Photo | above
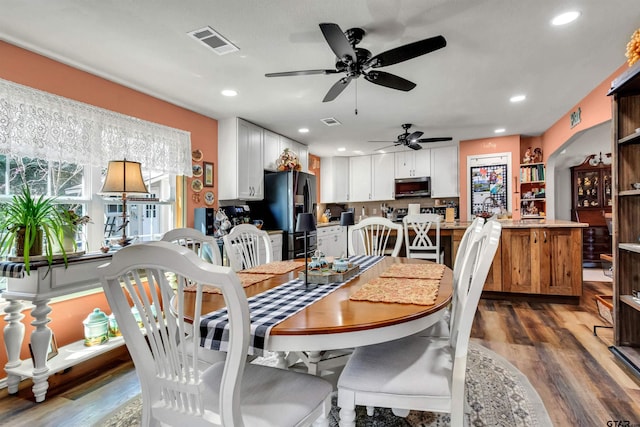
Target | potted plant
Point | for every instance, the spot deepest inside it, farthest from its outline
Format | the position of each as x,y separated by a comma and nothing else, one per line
32,226
72,224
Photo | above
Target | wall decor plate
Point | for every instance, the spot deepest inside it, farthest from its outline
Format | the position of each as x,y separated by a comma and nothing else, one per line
197,170
209,198
196,155
196,185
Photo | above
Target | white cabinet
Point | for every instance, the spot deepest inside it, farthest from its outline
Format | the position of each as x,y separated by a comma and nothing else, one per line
276,247
444,172
410,163
360,179
300,150
334,179
382,176
330,241
271,144
240,160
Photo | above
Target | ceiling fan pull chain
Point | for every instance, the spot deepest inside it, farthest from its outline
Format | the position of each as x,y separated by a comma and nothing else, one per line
356,97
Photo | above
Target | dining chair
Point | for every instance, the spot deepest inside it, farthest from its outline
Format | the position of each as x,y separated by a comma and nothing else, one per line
417,372
243,244
206,247
420,244
373,236
442,327
174,390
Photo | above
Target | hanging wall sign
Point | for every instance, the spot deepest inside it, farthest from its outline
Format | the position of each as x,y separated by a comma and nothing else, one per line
575,117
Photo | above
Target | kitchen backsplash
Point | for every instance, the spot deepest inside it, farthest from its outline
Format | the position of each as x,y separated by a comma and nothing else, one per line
374,208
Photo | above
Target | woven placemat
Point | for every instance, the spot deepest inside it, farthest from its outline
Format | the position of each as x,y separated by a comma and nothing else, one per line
415,271
245,279
276,267
401,291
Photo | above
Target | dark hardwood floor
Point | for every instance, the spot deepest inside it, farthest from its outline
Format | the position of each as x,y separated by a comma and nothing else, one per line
577,377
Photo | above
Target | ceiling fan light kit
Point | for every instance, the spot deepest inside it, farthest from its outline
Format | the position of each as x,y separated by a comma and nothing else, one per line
355,61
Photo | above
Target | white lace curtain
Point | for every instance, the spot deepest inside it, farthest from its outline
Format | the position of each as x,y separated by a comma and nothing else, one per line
41,125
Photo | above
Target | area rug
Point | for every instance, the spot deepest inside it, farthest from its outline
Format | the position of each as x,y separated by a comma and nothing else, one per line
498,395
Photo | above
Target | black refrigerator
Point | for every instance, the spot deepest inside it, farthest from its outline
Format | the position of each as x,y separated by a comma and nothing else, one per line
286,194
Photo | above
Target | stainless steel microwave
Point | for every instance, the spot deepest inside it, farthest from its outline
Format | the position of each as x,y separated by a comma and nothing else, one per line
413,187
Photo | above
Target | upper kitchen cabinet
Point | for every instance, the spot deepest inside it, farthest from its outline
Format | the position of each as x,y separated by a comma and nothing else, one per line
360,184
271,143
299,149
240,160
444,172
382,176
334,176
411,163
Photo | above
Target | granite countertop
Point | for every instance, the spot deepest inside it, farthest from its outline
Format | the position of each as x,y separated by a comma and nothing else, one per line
524,223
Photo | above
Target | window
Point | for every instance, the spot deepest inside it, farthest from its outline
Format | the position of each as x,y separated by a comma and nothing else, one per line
75,188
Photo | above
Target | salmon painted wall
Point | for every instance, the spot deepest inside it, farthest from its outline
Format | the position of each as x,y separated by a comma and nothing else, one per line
595,109
30,69
474,147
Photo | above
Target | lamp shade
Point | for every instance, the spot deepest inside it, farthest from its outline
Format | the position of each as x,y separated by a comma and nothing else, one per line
346,218
124,176
305,222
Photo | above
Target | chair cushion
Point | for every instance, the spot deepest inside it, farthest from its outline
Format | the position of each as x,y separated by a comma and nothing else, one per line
415,366
440,328
270,396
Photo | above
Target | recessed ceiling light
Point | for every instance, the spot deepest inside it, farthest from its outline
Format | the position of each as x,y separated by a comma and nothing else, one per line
499,130
357,151
303,130
342,149
518,98
382,152
229,92
565,18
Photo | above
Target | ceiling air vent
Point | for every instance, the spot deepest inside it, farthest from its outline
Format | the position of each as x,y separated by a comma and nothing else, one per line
210,38
330,121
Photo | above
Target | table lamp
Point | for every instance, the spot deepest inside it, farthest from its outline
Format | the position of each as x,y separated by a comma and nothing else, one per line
305,223
346,219
124,177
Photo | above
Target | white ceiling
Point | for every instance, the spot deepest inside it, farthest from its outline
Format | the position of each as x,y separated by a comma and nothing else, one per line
495,49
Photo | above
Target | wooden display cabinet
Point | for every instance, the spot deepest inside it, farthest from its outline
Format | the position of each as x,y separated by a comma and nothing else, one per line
626,216
591,199
532,190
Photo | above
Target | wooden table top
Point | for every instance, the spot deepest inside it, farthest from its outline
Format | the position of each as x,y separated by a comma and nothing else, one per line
335,313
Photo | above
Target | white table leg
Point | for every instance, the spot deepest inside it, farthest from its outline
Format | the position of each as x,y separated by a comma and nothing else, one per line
40,342
314,359
281,360
13,337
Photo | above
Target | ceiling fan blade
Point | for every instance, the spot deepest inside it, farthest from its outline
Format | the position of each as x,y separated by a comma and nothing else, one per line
382,141
338,42
389,80
406,52
444,138
414,146
337,89
414,136
388,146
301,73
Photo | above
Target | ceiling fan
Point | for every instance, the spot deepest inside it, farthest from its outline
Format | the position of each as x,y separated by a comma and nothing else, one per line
413,140
355,61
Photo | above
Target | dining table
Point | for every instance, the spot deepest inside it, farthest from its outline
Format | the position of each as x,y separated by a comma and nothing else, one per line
335,321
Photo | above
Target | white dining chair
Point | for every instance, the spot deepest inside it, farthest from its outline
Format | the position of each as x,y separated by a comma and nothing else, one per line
417,372
174,390
418,243
206,247
372,236
442,327
243,246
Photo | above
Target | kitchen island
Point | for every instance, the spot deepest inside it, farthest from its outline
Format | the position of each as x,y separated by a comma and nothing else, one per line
535,256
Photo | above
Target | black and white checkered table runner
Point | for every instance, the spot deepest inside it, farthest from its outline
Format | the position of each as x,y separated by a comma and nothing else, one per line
12,269
269,308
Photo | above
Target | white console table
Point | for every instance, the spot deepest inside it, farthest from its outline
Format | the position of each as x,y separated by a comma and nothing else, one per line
43,284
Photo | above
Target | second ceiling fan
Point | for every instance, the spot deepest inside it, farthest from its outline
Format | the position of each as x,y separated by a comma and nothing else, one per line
355,61
413,140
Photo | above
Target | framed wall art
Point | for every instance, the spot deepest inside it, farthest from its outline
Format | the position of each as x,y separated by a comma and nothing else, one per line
208,174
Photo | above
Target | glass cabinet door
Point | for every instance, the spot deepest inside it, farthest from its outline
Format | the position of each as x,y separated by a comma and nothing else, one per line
589,189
